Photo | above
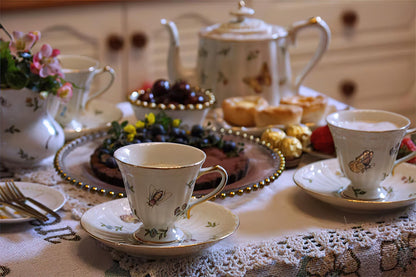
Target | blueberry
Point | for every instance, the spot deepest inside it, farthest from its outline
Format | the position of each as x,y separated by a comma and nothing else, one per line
229,146
157,129
197,131
214,138
111,162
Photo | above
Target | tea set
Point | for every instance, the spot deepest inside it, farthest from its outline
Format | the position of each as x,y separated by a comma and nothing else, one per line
244,56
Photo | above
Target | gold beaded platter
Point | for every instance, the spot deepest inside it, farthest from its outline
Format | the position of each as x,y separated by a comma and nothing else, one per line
72,162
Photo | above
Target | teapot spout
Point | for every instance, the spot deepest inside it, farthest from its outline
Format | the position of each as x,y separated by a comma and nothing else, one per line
176,70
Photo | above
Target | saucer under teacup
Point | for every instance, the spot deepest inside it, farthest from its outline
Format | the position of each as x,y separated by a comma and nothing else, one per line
112,224
324,180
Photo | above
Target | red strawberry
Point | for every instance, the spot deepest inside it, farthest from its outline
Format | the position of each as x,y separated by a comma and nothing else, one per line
406,147
321,140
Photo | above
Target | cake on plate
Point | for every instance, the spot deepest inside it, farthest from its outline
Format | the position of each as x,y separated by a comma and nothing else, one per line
161,128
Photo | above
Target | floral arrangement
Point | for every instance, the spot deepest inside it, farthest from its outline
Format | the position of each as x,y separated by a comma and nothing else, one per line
40,72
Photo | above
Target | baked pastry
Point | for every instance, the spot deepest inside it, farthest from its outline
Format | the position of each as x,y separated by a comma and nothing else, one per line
240,111
278,115
314,107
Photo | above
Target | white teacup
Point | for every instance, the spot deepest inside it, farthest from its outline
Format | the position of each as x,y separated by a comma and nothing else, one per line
159,178
367,143
80,71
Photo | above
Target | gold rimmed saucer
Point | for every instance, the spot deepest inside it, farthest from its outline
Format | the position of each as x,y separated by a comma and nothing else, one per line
112,224
323,180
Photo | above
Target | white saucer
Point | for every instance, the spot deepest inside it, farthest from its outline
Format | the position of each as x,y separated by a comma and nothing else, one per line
48,196
324,181
112,224
98,115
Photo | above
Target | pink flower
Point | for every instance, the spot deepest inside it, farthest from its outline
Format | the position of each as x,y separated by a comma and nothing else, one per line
65,92
23,42
45,62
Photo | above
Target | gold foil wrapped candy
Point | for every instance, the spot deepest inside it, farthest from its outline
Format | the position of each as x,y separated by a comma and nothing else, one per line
301,132
273,136
291,147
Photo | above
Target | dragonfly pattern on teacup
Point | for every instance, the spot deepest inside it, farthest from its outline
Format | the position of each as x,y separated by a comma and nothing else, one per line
362,162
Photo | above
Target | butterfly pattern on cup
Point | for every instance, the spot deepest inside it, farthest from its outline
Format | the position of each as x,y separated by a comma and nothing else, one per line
362,162
259,81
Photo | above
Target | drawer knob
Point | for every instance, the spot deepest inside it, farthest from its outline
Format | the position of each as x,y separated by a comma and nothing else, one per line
115,42
348,88
139,40
349,19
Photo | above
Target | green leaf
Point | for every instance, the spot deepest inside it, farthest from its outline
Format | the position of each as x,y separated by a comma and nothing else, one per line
16,79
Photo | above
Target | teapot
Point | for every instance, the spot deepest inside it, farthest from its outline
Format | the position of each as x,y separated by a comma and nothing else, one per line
245,56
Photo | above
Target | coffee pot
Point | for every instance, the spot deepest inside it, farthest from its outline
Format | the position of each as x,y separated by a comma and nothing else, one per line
245,56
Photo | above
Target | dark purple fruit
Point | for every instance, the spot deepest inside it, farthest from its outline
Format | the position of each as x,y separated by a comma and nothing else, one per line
180,91
147,96
161,88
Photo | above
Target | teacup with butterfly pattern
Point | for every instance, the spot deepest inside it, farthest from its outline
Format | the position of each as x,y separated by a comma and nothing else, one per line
159,178
367,143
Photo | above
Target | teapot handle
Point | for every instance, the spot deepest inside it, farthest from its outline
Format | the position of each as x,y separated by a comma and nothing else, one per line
325,37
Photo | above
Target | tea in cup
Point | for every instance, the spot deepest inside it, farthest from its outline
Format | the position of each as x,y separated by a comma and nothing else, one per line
367,143
80,71
159,178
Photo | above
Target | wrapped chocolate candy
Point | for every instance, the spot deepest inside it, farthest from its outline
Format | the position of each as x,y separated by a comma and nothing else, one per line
273,136
291,147
301,132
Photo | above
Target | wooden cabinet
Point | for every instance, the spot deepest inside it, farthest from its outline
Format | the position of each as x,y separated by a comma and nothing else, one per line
371,61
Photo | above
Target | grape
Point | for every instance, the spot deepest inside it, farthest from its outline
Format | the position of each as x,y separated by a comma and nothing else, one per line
147,96
180,90
161,88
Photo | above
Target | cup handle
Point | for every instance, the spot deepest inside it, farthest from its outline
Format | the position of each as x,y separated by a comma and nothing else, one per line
315,22
106,69
218,189
408,156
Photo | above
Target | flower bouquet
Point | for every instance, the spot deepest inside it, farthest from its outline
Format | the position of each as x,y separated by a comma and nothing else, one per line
30,87
40,72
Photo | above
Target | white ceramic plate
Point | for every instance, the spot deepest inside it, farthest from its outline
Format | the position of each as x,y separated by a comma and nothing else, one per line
48,196
98,116
324,181
112,224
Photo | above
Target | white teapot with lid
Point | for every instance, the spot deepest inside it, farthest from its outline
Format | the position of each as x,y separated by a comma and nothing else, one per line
245,56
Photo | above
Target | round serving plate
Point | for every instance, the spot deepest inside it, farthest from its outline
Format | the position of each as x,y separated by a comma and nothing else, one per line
72,162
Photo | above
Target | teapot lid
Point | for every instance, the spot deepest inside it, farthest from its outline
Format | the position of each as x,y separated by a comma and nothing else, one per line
242,27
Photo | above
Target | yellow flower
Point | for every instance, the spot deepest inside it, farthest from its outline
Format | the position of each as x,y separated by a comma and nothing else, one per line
150,118
130,129
176,122
140,124
130,137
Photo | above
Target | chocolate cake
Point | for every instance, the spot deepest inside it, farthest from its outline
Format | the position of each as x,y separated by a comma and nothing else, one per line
161,128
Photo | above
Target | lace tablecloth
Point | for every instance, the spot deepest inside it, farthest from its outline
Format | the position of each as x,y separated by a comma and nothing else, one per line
283,232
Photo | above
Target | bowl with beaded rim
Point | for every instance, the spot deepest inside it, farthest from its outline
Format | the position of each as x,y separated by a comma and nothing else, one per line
178,100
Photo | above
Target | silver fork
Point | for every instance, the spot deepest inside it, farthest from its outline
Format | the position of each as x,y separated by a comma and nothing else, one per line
21,198
7,199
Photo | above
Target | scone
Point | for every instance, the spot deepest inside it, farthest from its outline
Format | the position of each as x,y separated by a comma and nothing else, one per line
314,107
278,115
240,111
